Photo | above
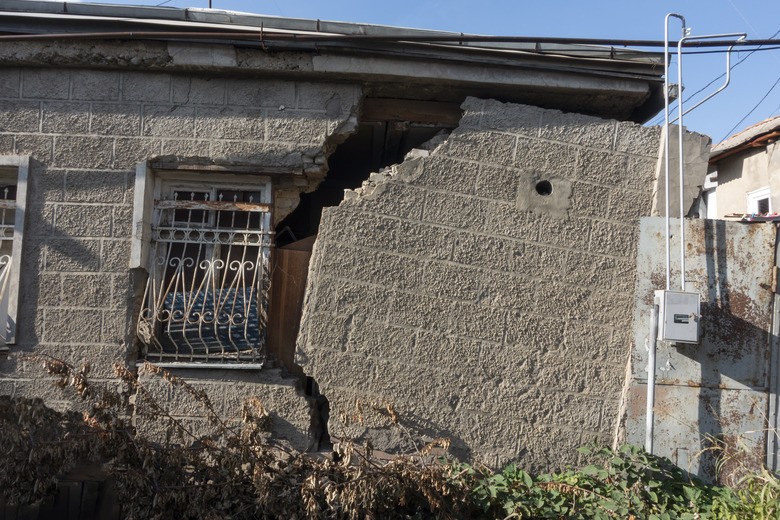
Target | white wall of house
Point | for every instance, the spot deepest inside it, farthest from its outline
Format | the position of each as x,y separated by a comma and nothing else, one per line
744,178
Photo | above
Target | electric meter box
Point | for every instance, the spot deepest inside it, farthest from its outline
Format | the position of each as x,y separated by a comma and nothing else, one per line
678,316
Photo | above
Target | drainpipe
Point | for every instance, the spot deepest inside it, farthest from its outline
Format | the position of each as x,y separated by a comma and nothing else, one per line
650,415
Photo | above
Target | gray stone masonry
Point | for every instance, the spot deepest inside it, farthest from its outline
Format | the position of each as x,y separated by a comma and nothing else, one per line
85,131
484,290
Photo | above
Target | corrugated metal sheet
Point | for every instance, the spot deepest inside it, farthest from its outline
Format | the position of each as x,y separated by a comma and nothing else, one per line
719,388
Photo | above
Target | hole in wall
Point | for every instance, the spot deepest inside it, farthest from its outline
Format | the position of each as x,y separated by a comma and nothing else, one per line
544,188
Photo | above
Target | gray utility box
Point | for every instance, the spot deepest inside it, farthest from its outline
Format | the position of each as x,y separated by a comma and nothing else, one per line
678,316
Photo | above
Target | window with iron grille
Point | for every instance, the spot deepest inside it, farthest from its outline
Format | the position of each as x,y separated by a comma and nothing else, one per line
206,296
13,194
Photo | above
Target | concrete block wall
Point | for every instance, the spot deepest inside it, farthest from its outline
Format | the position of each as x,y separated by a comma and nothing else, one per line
85,131
480,309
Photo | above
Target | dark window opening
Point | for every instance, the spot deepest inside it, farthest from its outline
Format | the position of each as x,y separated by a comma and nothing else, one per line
763,206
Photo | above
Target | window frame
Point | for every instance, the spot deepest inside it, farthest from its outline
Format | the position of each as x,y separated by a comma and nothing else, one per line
755,196
150,186
21,163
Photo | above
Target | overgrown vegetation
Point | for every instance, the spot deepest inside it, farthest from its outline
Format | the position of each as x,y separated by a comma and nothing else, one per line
236,473
628,483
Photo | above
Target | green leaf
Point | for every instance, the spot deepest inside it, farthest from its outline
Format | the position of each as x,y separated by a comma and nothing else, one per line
591,470
609,506
584,450
691,493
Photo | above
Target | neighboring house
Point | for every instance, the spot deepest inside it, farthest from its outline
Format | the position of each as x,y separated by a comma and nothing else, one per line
744,173
161,166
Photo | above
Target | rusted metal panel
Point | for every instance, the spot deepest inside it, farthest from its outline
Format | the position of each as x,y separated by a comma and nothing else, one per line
718,388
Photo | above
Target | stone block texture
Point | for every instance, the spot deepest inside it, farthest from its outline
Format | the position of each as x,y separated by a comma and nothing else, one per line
85,131
482,291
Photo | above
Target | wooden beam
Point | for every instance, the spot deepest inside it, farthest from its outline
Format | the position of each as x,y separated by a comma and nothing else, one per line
431,112
215,168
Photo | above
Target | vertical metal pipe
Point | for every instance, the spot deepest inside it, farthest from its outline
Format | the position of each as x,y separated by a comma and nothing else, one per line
666,150
773,431
650,416
681,160
667,143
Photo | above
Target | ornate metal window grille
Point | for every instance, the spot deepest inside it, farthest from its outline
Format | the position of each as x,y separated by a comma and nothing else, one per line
7,212
207,294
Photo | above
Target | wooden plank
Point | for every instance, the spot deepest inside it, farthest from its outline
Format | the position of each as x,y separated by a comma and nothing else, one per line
89,499
73,490
10,512
30,512
108,506
288,286
47,508
260,170
218,205
385,109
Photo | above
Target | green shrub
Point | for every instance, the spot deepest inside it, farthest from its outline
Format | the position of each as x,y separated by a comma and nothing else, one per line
626,484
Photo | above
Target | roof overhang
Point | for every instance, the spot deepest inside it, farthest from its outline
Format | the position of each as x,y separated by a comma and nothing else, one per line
756,136
605,81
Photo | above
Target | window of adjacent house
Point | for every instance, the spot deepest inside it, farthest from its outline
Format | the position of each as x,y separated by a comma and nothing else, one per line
208,264
759,202
13,195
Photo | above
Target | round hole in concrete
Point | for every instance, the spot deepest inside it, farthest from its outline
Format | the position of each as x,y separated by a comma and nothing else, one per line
544,188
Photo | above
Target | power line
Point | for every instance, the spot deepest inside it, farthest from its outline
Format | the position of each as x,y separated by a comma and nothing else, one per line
742,16
721,51
728,134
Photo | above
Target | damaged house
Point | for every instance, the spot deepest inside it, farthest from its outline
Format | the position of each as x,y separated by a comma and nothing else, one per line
325,214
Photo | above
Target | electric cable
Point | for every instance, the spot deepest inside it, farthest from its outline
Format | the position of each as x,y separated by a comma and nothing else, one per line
757,49
729,133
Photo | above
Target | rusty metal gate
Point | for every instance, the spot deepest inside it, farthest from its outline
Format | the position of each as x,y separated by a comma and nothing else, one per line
722,391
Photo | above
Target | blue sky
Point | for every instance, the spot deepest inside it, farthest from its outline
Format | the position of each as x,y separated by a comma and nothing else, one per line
615,19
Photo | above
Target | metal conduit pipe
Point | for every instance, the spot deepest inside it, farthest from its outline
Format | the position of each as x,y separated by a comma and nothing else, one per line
667,143
650,415
323,37
681,161
742,36
680,158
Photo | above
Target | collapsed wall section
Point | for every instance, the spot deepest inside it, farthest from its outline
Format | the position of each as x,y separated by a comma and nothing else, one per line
483,290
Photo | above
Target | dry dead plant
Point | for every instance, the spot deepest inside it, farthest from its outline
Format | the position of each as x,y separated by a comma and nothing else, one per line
232,472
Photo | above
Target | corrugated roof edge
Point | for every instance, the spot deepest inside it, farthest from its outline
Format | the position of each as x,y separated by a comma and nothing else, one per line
745,136
223,17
